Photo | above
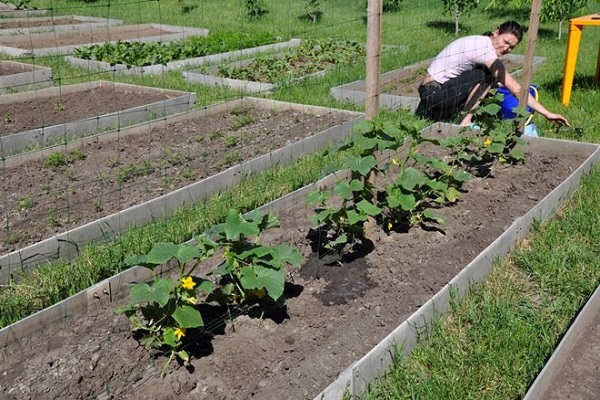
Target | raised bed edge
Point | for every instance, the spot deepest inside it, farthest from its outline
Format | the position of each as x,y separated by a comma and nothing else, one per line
87,22
357,377
107,288
66,245
159,68
582,322
38,77
175,33
14,143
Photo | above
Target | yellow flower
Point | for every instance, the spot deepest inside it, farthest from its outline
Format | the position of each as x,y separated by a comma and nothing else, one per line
390,225
487,142
179,332
192,300
187,283
395,161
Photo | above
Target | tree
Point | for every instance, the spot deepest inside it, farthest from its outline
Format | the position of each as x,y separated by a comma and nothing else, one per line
552,10
560,10
313,10
456,8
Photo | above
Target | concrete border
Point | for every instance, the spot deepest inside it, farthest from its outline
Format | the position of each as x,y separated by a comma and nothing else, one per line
583,322
30,77
43,137
355,379
68,244
355,92
173,32
174,65
86,23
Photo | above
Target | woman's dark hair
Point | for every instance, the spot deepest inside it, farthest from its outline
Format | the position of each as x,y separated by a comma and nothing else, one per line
509,27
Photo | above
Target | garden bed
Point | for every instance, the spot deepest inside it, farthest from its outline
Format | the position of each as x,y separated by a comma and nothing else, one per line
143,167
399,87
572,371
16,76
9,10
266,73
65,41
51,116
27,26
336,312
173,65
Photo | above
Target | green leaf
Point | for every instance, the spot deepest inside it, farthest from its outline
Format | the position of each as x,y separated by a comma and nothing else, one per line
363,127
288,254
159,292
184,356
412,178
354,217
492,109
123,309
407,201
430,215
362,165
205,286
236,226
169,337
321,216
346,189
368,208
258,277
187,317
452,194
461,176
518,155
317,197
495,148
161,253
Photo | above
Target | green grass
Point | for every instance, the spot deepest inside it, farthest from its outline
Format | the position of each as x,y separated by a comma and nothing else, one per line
494,344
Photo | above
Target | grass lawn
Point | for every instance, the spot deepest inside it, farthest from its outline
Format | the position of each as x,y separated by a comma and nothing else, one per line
494,344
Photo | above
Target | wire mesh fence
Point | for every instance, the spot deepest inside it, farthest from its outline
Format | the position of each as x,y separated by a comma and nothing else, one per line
156,109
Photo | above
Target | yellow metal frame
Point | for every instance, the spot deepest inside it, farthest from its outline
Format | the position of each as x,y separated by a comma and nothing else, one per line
575,29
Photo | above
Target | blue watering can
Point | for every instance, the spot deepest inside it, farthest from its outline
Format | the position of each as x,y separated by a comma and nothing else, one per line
510,102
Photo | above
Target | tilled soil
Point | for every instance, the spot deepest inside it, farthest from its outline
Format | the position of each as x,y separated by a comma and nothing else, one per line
42,199
336,312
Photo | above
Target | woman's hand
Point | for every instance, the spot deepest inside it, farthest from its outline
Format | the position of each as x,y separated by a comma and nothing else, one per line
559,119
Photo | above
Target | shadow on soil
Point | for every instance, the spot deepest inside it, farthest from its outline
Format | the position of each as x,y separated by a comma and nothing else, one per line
345,273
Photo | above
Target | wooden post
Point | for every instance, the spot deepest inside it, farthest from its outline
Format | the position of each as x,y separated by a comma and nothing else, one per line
532,34
374,11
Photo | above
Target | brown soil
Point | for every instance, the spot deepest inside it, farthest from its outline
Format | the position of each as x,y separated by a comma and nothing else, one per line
336,312
29,23
20,116
83,37
106,177
7,68
579,370
407,82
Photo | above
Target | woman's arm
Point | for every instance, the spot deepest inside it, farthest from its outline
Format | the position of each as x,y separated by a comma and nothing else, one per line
501,74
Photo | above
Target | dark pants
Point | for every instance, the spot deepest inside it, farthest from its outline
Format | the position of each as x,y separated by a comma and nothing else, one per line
443,102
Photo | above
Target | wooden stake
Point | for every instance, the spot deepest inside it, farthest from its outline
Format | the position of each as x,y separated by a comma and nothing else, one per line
532,34
374,11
